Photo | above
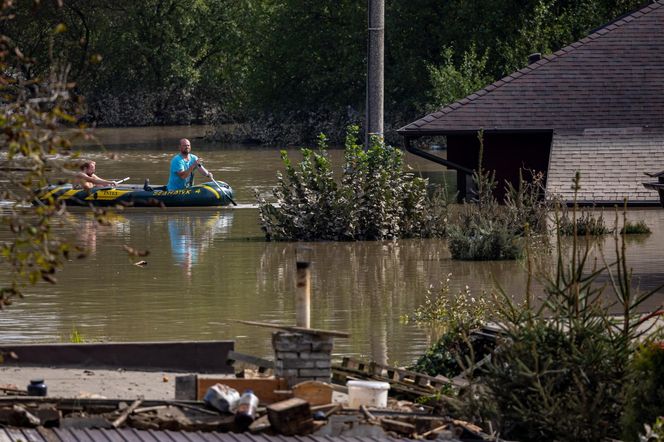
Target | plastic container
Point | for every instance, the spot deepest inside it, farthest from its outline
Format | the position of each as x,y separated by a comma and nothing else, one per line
245,412
222,397
369,393
37,387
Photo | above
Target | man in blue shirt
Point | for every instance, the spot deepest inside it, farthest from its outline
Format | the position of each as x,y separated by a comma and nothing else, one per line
183,166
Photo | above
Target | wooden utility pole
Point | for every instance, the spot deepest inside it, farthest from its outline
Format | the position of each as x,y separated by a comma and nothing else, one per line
303,294
375,68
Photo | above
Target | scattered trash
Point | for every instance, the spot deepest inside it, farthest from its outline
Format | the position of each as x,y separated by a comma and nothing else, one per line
370,393
222,397
37,387
245,412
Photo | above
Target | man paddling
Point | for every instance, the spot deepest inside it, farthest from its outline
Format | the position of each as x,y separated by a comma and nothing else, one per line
86,178
183,166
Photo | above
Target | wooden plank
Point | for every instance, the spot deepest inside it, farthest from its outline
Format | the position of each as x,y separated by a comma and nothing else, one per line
409,390
264,388
403,374
314,392
293,328
125,414
403,428
291,417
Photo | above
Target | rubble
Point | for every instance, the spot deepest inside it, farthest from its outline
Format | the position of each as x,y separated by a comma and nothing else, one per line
294,396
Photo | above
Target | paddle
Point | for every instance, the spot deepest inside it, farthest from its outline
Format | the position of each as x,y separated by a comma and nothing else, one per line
223,190
120,182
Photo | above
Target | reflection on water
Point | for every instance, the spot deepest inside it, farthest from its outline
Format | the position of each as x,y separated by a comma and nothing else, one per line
191,236
207,268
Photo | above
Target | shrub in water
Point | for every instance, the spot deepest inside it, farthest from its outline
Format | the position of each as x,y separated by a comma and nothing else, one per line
483,230
637,228
587,224
525,205
374,199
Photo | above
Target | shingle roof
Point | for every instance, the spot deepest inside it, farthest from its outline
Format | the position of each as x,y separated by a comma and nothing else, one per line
611,162
132,435
613,77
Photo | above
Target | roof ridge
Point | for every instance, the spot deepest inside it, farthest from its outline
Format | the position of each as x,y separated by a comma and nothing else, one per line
546,59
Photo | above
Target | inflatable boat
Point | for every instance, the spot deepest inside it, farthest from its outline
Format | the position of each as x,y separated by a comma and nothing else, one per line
201,195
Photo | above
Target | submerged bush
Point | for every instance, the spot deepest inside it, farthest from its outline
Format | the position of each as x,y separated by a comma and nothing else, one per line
483,241
483,230
586,224
525,204
637,228
374,199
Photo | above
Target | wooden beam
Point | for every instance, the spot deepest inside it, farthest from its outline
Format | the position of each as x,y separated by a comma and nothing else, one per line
292,328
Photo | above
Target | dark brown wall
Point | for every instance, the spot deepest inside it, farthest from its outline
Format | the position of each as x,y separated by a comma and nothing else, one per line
506,153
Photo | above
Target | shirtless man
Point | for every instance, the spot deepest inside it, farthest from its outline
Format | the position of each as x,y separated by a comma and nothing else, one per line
86,178
183,166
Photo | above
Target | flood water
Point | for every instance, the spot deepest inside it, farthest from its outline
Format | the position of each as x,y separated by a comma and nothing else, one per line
208,268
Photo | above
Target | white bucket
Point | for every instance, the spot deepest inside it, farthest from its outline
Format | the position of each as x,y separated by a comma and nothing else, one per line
369,393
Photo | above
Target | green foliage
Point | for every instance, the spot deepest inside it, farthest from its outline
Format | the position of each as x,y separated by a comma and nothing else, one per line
38,111
449,318
645,392
483,241
637,228
309,55
483,230
654,433
553,384
32,113
443,312
525,205
442,358
450,83
587,224
506,31
374,199
161,61
149,62
75,337
562,367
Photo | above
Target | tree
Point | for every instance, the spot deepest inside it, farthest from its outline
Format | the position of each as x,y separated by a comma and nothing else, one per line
36,105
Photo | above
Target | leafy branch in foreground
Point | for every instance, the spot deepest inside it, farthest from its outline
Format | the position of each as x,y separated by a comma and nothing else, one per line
374,199
34,113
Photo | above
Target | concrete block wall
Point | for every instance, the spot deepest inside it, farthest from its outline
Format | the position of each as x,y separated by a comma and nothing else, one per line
302,357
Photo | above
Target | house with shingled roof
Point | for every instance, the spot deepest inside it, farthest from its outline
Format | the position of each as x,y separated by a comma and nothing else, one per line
595,106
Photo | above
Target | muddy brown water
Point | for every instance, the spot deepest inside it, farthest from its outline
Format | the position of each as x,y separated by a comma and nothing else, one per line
207,268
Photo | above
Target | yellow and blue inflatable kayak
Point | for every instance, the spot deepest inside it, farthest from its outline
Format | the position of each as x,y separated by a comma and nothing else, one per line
201,195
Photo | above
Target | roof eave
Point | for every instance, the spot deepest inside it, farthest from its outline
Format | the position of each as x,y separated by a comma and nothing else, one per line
422,132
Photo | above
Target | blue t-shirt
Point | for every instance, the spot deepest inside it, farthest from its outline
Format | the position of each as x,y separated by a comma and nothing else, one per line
178,164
